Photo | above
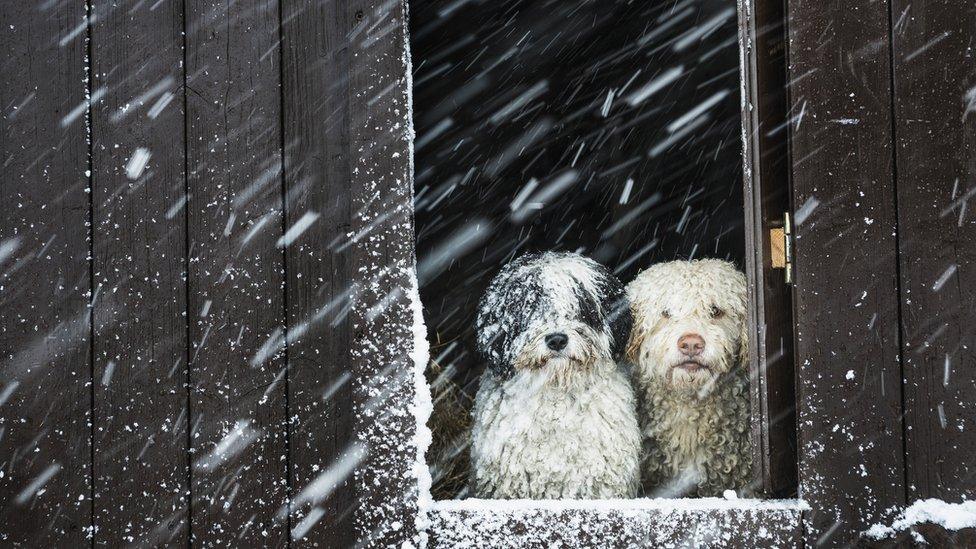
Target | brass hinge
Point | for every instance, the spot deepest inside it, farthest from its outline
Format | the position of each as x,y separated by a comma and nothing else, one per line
781,248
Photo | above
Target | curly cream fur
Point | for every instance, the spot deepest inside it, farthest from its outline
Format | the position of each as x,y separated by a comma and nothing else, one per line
695,423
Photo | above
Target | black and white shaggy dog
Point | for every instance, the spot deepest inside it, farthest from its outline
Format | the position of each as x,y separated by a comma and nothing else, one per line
554,417
689,349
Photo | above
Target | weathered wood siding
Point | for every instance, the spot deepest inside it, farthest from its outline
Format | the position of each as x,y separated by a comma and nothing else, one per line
849,392
184,260
882,155
139,263
45,396
935,153
235,302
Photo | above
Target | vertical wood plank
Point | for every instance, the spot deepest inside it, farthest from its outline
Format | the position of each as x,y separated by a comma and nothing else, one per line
318,154
766,154
384,265
45,369
850,431
936,164
235,303
140,346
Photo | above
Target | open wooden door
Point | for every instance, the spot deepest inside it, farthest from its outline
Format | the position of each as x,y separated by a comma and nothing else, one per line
762,33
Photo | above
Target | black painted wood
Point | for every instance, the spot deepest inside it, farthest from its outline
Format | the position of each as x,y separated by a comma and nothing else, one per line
383,262
849,395
318,153
935,141
45,456
140,347
766,154
236,287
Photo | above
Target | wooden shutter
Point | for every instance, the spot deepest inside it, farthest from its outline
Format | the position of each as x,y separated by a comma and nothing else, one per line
767,198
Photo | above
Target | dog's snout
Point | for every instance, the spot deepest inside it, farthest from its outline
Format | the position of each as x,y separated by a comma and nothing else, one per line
691,344
557,342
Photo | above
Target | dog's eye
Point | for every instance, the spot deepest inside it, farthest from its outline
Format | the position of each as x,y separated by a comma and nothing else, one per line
666,313
715,312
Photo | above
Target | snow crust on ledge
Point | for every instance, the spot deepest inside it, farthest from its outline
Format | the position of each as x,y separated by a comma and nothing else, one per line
951,516
656,504
665,523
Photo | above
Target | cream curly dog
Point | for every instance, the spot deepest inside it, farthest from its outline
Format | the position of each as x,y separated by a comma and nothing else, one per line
689,350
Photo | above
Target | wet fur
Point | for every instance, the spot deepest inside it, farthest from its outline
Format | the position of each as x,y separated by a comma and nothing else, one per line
548,427
696,439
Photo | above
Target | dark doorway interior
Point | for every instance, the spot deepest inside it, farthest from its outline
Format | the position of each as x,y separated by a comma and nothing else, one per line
608,128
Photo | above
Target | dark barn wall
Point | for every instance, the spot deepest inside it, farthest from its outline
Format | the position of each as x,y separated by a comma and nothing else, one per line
511,93
935,154
882,171
45,344
178,271
850,431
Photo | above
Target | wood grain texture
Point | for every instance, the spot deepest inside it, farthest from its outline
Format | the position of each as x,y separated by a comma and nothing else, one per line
935,140
45,461
140,346
236,288
655,527
850,431
765,154
318,156
383,315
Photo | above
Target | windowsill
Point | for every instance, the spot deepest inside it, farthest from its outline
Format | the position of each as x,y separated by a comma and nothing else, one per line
704,522
656,504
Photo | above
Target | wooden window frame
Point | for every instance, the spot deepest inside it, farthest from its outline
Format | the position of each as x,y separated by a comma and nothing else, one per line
391,352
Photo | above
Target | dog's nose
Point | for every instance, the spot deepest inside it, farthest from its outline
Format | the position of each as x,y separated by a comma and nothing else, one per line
691,344
557,342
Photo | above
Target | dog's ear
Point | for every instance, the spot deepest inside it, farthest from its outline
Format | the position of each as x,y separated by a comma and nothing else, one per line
493,324
490,338
636,339
743,354
616,310
742,303
502,311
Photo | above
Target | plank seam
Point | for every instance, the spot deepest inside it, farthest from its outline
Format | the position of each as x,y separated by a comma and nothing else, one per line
89,130
898,273
186,290
284,268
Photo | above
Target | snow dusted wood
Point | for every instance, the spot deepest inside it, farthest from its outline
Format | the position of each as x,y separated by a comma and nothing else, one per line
45,491
926,523
235,303
318,153
766,172
850,432
923,535
936,164
388,348
140,441
635,523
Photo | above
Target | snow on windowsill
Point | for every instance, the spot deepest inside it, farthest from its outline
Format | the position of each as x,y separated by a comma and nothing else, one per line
951,516
640,504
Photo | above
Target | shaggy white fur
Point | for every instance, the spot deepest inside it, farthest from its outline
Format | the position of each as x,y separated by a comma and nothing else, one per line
554,420
533,440
689,347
